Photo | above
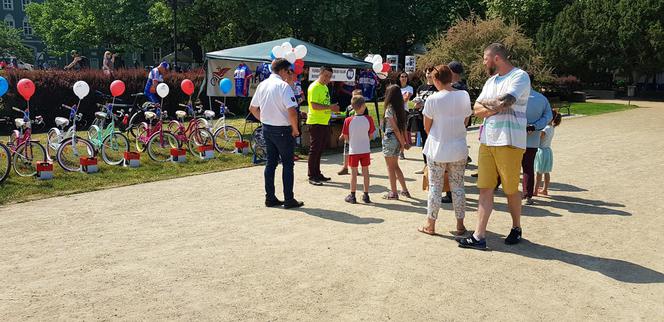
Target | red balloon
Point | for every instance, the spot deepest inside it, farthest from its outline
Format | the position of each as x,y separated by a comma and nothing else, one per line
386,68
26,88
117,88
299,66
187,86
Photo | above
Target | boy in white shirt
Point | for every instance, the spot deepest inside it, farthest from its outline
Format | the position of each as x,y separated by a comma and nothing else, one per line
357,131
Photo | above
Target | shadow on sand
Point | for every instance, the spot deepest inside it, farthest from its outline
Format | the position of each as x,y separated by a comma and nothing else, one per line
339,216
616,269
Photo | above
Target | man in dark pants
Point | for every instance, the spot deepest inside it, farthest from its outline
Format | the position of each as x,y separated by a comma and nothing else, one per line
275,105
538,113
318,119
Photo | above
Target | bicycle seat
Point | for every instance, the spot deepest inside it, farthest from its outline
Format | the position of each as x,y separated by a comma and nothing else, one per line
101,115
148,105
209,114
19,122
180,114
61,121
150,115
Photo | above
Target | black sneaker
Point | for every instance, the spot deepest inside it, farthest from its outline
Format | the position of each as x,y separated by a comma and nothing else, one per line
273,203
447,198
471,242
324,178
288,204
365,198
514,237
351,199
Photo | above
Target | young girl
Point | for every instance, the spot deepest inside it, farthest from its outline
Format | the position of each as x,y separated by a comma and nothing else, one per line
544,157
394,140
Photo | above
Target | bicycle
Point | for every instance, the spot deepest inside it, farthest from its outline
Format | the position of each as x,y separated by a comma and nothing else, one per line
153,138
195,134
5,162
68,147
105,138
224,135
256,140
25,151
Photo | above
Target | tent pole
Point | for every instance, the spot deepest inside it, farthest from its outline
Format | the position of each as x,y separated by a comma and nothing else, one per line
375,99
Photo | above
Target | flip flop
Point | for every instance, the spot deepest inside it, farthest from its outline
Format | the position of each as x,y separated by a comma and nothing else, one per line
426,231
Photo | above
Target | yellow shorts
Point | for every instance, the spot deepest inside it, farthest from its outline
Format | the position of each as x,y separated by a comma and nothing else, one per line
503,161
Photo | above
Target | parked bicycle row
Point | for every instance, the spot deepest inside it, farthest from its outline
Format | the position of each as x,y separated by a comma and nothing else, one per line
115,132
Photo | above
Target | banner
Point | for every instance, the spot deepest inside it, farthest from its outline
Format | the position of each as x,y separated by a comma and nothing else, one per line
220,69
338,74
410,64
393,60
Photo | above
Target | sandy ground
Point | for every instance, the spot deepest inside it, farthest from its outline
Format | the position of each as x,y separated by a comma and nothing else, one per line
204,248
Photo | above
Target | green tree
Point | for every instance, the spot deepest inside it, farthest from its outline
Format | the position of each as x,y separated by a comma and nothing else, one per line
119,24
466,40
11,45
530,14
596,39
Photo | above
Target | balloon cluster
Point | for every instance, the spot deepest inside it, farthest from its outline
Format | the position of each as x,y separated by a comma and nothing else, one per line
379,67
295,56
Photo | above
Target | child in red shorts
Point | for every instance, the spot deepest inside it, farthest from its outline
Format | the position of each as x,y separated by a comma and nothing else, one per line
357,131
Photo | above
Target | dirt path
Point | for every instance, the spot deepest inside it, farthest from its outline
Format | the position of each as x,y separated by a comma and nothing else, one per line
203,247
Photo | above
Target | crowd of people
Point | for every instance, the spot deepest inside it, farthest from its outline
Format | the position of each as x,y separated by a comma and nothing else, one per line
515,137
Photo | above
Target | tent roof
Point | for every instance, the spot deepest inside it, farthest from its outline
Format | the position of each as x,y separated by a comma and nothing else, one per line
316,56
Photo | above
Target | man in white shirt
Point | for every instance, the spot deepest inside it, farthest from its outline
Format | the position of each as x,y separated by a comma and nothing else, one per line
275,105
502,104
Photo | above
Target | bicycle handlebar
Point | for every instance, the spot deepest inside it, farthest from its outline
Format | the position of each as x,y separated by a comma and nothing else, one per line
137,95
183,105
17,110
67,107
218,101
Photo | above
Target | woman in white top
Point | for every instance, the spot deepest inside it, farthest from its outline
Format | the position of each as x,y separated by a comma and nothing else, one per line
445,114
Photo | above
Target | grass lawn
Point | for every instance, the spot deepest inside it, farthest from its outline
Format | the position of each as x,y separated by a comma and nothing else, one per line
597,108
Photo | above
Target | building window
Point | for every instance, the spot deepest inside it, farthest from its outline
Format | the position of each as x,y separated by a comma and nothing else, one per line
9,20
27,30
8,4
156,55
24,3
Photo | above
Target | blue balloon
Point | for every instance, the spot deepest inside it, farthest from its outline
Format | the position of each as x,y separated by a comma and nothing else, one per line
272,56
4,86
225,85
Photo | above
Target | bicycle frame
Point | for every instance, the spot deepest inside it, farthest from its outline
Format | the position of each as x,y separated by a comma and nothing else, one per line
104,129
71,131
153,129
22,135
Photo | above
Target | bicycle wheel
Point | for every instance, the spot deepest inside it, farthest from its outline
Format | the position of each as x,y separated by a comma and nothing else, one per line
199,137
70,153
5,162
52,143
160,149
114,147
225,138
257,144
141,136
26,157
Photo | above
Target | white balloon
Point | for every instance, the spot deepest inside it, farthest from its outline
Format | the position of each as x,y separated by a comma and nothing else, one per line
81,89
378,67
369,58
162,90
290,57
382,75
300,51
377,59
287,48
277,52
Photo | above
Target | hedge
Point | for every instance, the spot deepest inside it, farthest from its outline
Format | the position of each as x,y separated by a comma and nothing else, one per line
54,87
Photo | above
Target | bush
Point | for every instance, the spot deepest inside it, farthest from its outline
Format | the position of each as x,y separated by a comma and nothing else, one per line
466,40
54,87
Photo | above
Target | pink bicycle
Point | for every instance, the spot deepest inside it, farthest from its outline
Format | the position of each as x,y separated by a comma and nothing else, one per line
26,152
194,135
153,138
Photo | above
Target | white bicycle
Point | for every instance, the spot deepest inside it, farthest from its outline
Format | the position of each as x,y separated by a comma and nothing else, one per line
224,135
66,146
